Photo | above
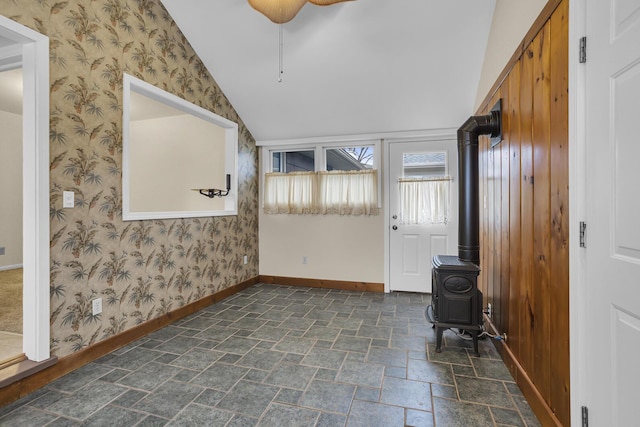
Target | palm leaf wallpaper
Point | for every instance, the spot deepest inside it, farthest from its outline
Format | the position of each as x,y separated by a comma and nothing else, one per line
141,269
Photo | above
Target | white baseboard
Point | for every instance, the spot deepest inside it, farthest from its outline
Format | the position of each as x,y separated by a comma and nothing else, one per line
10,267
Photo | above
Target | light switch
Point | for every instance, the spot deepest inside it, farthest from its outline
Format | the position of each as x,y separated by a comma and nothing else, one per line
68,199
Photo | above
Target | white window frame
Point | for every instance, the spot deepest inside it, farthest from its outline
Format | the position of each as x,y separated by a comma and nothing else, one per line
320,156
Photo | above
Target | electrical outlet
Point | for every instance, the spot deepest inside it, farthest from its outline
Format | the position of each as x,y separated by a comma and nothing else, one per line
489,311
304,259
68,199
2,250
245,260
97,306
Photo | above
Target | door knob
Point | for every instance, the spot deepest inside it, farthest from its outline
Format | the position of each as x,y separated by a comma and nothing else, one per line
395,217
395,227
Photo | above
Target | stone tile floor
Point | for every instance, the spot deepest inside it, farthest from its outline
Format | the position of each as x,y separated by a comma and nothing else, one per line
287,356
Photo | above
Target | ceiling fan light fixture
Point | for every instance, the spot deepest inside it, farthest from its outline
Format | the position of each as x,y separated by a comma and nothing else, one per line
281,11
326,2
278,11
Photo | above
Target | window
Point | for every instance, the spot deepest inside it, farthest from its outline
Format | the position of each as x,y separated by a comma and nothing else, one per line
293,161
323,179
424,189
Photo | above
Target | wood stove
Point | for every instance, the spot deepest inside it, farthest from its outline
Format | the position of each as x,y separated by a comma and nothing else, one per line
456,299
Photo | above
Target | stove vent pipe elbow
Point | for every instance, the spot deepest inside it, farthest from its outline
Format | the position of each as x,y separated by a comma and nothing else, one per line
469,207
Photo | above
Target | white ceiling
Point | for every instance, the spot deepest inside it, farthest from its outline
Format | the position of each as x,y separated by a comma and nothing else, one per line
366,66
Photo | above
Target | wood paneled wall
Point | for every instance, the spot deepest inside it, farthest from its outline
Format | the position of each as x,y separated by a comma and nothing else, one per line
524,199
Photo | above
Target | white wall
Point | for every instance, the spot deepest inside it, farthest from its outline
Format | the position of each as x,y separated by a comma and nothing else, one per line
337,247
349,248
161,147
511,21
11,188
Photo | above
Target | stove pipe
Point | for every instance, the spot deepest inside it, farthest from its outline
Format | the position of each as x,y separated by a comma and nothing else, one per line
468,225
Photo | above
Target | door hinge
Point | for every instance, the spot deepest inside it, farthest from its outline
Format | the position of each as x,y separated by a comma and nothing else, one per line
585,416
583,50
583,230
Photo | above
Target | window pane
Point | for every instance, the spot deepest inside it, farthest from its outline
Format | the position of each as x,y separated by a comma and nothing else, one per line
350,158
293,161
424,165
275,162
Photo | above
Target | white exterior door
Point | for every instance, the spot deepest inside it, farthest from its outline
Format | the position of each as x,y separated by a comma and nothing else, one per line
612,294
414,240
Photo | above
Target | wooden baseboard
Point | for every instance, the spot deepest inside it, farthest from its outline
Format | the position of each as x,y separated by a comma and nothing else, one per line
20,387
322,283
537,403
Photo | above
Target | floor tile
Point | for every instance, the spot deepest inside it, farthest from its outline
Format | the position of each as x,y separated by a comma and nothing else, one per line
248,398
415,418
220,376
280,415
420,370
406,393
260,359
288,396
408,343
487,392
324,358
374,332
133,359
87,400
450,413
365,374
26,416
113,415
197,415
281,355
507,417
149,376
236,345
291,376
491,368
197,359
217,333
294,345
331,420
268,333
239,420
458,356
129,398
368,414
322,333
348,343
169,399
328,396
387,356
368,394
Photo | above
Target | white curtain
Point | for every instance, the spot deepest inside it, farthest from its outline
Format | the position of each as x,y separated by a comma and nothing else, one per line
293,192
334,192
348,192
424,201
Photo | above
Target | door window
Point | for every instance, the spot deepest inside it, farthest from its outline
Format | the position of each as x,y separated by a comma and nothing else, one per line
424,188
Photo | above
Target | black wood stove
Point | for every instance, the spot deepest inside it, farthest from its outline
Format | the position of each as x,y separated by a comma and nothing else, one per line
456,300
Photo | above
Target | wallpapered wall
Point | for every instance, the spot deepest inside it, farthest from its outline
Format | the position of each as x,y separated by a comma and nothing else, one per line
141,269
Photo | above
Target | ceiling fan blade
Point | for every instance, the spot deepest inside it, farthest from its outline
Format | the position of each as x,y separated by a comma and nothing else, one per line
326,2
278,11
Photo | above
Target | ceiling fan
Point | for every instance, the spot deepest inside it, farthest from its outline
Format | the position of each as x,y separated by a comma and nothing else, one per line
281,11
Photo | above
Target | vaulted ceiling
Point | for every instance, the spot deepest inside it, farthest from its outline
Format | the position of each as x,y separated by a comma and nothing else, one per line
364,66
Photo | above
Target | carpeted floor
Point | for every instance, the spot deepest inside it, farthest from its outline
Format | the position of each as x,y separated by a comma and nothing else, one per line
11,300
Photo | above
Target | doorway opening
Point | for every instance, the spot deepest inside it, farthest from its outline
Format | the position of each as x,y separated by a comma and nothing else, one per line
21,45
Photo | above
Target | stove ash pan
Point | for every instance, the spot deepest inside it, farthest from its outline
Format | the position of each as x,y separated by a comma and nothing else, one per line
456,300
